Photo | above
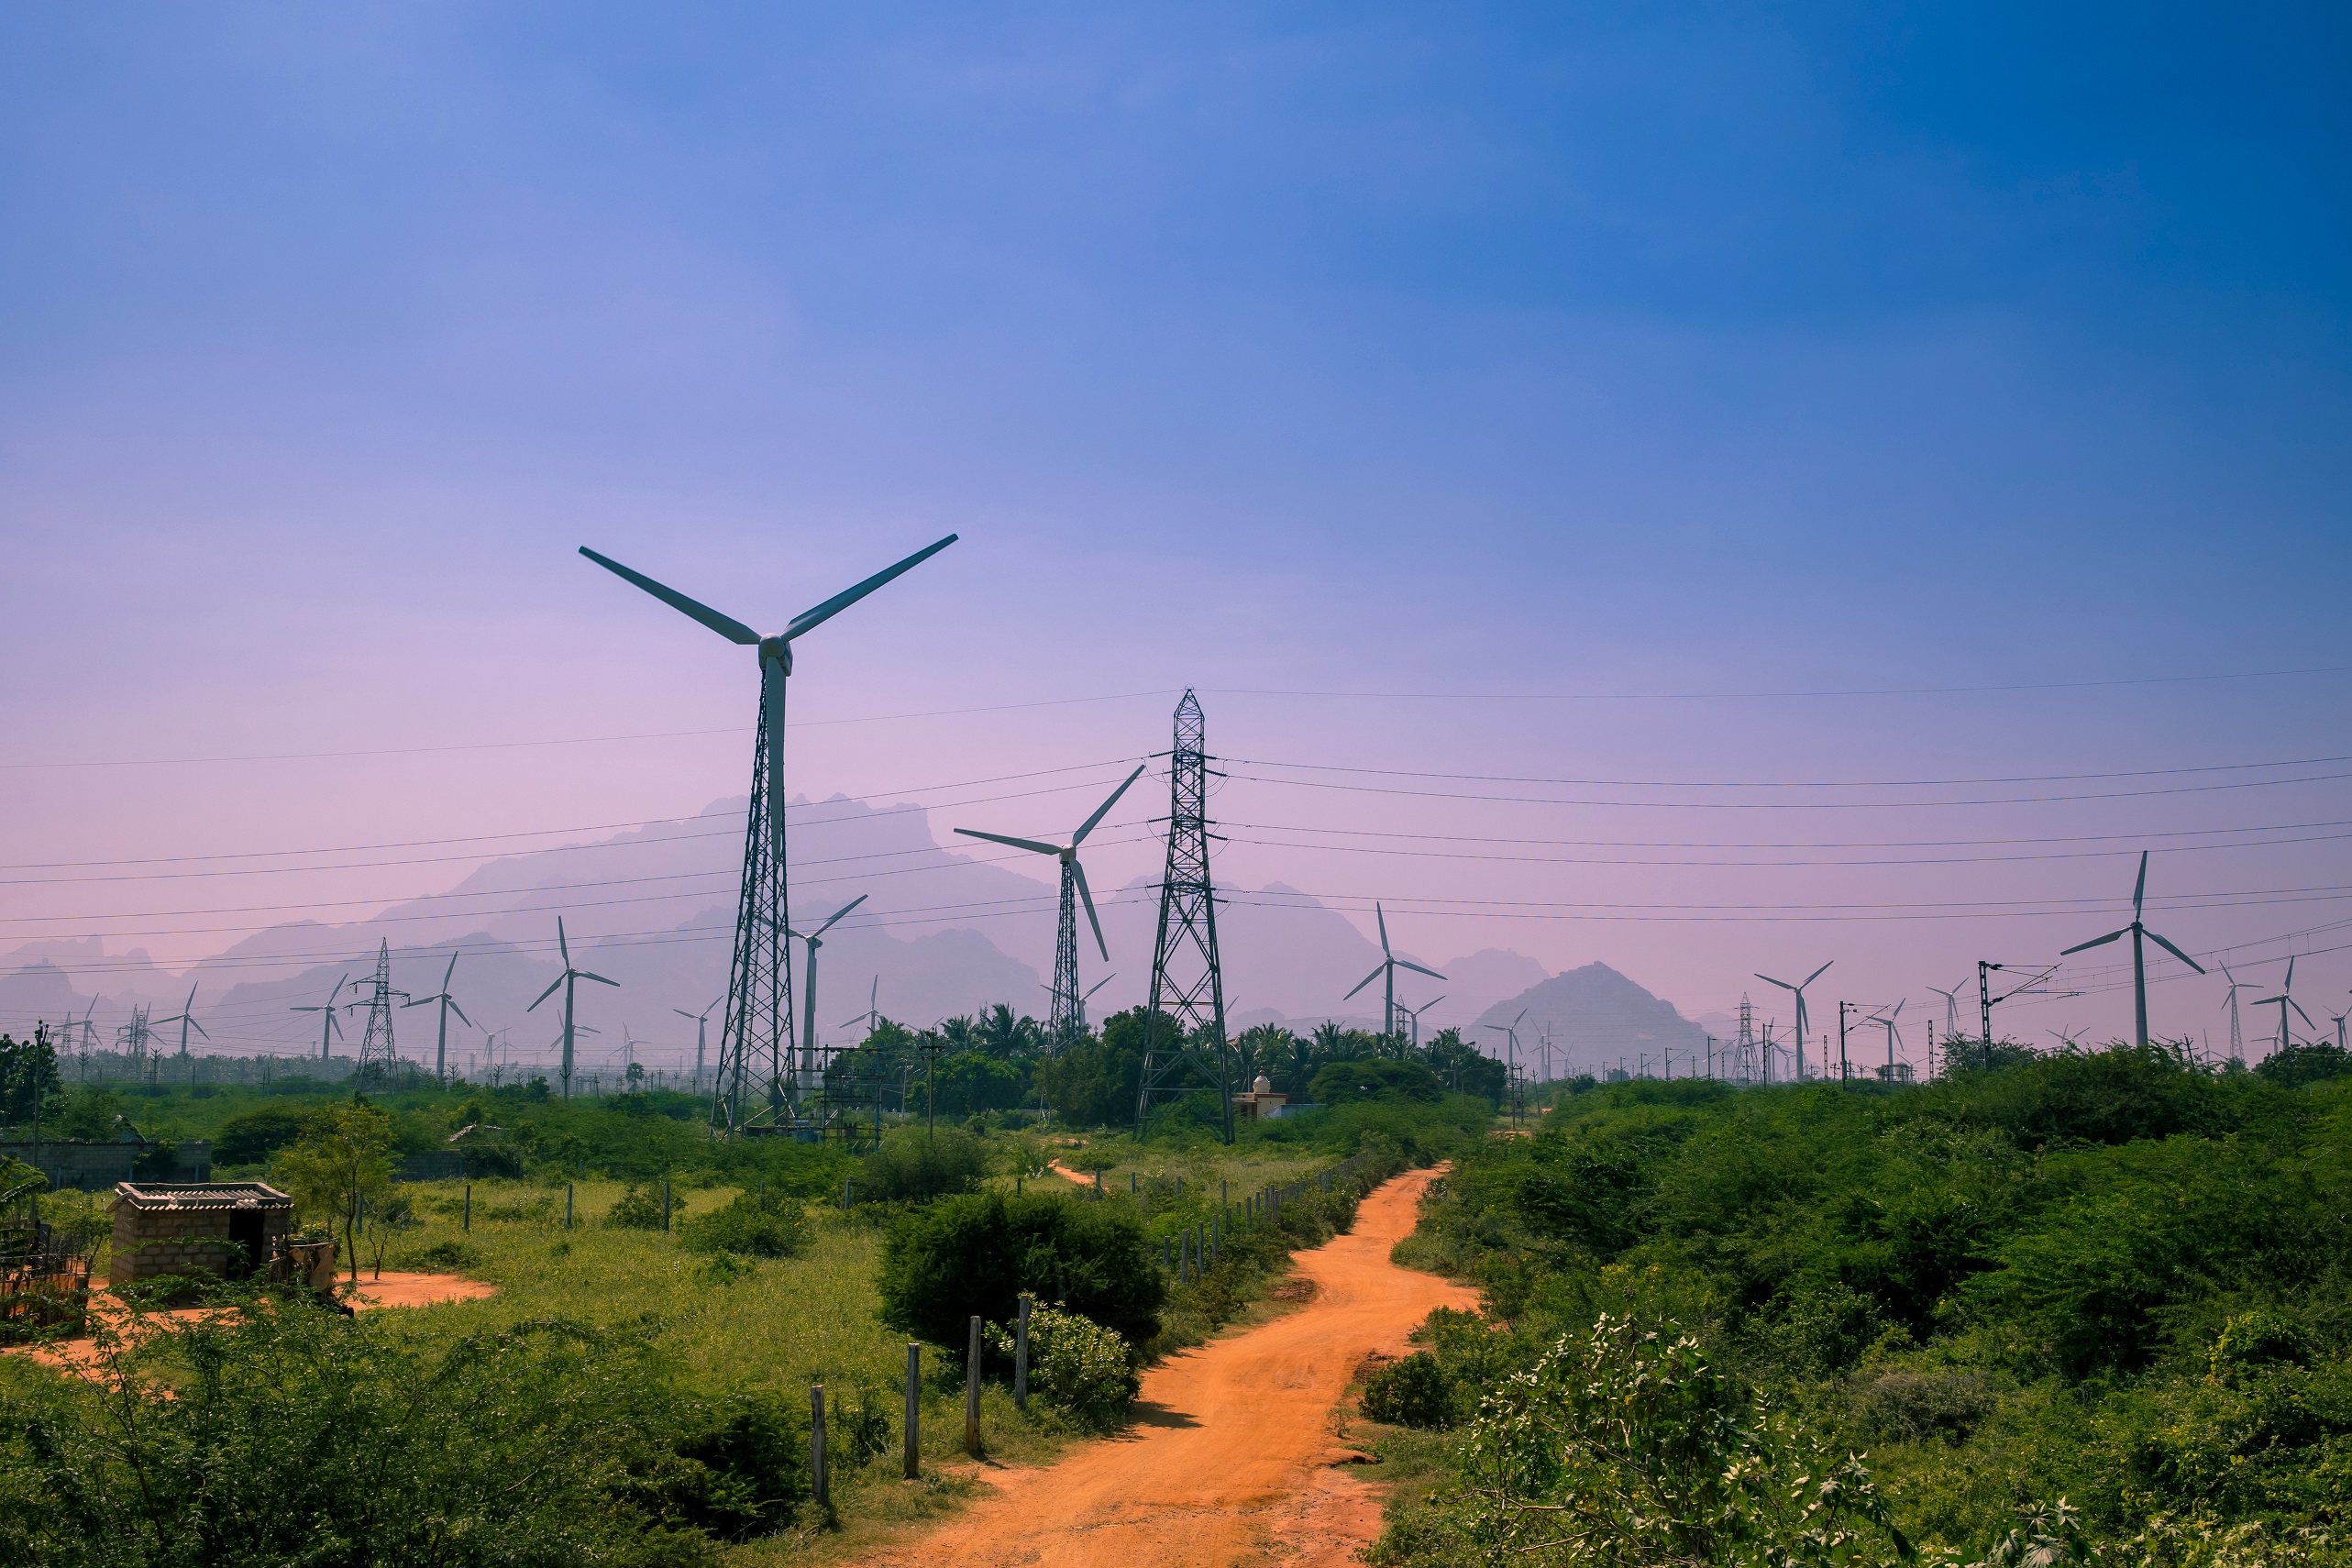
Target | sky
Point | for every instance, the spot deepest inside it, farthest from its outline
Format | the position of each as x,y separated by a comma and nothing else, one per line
1635,413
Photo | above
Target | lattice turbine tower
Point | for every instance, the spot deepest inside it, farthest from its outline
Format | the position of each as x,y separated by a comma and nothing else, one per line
1188,985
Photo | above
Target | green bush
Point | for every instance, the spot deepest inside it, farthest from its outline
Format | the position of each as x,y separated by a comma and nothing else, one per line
977,1253
761,1227
640,1209
453,1255
1374,1078
913,1167
1075,1363
296,1435
250,1137
1413,1392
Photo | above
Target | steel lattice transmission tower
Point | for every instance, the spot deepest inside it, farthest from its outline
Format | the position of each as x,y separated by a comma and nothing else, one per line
757,1034
377,1056
1188,985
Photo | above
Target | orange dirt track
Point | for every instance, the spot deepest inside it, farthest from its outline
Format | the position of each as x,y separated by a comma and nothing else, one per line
1232,1459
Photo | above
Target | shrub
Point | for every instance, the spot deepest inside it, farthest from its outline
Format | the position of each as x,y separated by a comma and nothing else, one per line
1075,1363
639,1209
1374,1078
451,1253
252,1136
978,1252
915,1168
726,1268
769,1226
1413,1392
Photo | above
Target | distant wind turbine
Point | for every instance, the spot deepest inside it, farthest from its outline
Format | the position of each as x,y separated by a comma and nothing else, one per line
1799,989
1893,1034
2139,961
1415,1014
1951,1005
873,1013
448,1005
186,1018
814,940
1388,966
569,980
2285,999
1067,1023
2229,1001
330,1028
702,1034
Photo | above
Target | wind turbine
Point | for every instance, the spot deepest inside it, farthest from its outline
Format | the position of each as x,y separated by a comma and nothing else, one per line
873,1013
2139,961
702,1033
2229,1001
1388,966
1089,995
815,940
2337,1019
448,1005
1893,1034
1510,1031
330,1028
569,980
1799,989
1951,1005
186,1019
760,1011
1415,1014
1067,1025
2285,999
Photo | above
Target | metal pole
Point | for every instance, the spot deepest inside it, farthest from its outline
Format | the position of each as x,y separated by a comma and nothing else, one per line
665,1225
1985,1006
469,1199
817,1443
1021,1358
912,1466
972,1392
468,1223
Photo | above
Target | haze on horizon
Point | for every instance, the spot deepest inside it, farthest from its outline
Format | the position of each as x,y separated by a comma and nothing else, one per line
1700,491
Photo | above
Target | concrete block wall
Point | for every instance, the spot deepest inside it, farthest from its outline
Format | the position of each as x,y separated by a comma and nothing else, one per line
151,1241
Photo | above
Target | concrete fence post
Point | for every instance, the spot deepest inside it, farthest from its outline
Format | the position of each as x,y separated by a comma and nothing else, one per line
468,1223
469,1199
972,1392
913,1464
1020,1359
664,1215
817,1444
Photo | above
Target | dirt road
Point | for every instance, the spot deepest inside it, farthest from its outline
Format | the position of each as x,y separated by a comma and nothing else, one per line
1233,1459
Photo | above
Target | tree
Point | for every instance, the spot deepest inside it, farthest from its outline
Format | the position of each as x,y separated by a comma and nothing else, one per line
342,1163
979,1252
1374,1078
27,1076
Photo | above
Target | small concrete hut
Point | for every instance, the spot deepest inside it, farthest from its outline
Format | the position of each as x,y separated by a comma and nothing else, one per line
232,1229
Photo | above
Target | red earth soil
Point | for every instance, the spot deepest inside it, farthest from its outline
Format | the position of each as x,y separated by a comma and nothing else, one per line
1234,1458
393,1289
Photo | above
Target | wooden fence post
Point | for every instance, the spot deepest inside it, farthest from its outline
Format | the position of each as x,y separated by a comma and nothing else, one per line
972,1392
914,1411
817,1444
1020,1359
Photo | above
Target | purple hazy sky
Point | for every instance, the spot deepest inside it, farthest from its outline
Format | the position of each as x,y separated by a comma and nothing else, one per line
1503,401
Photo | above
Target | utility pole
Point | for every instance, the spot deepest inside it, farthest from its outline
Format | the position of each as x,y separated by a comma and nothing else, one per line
1188,982
1844,1074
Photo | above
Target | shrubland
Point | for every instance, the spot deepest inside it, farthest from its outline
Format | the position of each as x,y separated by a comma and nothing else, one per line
2089,1302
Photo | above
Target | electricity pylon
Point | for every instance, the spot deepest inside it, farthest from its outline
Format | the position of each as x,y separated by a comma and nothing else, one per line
376,1052
1188,984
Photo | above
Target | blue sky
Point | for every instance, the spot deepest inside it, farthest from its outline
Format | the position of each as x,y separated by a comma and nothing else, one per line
1384,348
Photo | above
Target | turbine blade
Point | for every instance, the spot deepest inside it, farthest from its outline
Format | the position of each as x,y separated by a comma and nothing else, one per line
2140,887
450,971
1381,916
1103,810
809,619
460,1013
562,946
2174,951
1078,873
1782,984
200,1028
1375,974
2096,942
2299,1008
727,626
683,1014
1409,964
1818,973
1030,844
420,1002
549,992
1897,1013
598,978
841,911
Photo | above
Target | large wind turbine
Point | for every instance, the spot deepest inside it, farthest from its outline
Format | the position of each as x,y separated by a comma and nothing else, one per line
2139,961
186,1019
448,1005
1892,1033
1388,966
1067,1025
758,1019
1951,1006
328,1030
1415,1014
813,941
1799,989
2285,999
570,980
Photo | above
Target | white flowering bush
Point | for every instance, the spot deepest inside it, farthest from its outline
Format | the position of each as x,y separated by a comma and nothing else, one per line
1075,1365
